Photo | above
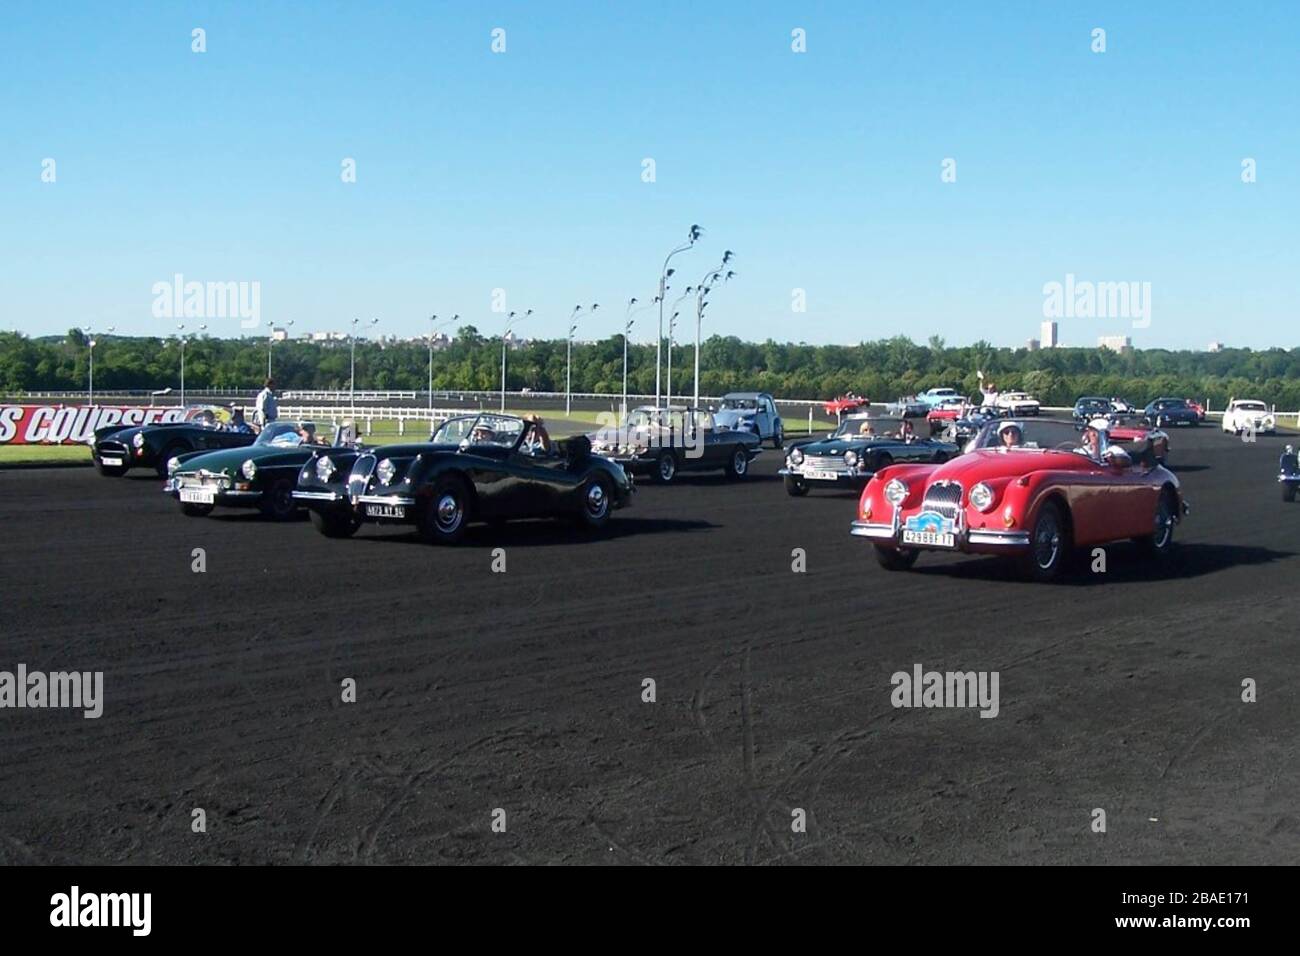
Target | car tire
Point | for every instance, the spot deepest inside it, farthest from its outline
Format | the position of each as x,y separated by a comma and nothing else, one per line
110,471
795,487
1288,491
277,503
170,452
896,559
1165,519
738,463
1049,545
778,438
191,510
597,503
335,525
446,513
665,468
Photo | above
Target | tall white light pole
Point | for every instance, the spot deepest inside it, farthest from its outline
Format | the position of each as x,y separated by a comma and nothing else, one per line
510,321
568,363
627,331
353,386
702,290
432,330
694,233
270,341
181,327
90,341
672,327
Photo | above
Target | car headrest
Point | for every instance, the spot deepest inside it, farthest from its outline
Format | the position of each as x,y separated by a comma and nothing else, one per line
577,449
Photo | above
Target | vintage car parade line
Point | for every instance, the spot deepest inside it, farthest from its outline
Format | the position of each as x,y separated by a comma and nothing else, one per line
526,684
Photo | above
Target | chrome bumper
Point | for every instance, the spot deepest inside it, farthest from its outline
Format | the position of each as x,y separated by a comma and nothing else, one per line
963,537
318,496
402,500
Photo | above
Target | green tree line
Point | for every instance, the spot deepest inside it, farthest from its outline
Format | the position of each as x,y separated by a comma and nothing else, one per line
882,370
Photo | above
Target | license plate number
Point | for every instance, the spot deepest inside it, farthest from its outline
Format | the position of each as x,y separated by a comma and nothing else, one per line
198,496
386,511
110,461
933,539
820,475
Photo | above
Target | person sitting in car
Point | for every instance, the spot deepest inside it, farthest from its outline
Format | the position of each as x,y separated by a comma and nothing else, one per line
1010,435
482,435
1096,444
538,440
905,433
307,432
238,425
865,430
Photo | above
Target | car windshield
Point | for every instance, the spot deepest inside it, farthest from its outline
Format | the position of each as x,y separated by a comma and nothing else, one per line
1035,435
659,417
875,426
280,434
500,431
740,404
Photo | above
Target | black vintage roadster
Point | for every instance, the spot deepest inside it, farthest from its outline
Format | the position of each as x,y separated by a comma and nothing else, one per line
483,467
660,442
116,450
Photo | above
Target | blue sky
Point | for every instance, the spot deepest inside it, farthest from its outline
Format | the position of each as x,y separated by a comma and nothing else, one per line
523,170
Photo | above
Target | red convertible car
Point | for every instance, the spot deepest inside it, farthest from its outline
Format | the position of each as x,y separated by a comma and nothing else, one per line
1032,489
1130,428
844,404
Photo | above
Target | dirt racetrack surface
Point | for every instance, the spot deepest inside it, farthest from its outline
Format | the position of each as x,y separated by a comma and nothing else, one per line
523,690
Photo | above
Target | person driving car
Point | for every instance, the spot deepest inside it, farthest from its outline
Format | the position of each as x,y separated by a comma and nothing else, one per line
866,430
307,432
482,434
1010,435
237,422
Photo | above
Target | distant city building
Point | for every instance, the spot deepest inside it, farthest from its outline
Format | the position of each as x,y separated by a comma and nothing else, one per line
1032,345
1048,335
280,335
1116,343
1214,347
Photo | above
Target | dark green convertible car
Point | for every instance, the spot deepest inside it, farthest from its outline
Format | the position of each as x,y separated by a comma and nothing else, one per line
262,475
481,467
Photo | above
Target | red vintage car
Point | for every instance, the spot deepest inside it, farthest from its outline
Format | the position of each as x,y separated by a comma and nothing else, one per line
947,411
844,404
1132,428
1030,489
1198,408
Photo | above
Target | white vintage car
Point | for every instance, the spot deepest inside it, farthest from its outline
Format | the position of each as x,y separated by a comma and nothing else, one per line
1017,403
1248,415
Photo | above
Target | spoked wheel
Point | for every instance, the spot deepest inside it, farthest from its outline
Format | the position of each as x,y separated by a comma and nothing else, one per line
597,502
896,559
1161,541
738,465
665,468
446,514
1049,545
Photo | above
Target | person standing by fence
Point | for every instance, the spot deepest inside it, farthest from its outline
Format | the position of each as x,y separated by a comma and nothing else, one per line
267,408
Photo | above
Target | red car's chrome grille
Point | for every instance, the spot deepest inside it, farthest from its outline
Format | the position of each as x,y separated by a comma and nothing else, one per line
943,497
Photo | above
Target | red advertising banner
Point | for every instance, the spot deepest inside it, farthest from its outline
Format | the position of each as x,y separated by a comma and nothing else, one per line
75,424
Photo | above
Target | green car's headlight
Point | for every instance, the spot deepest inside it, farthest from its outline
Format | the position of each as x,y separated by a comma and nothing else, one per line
325,469
249,469
850,458
796,457
138,440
